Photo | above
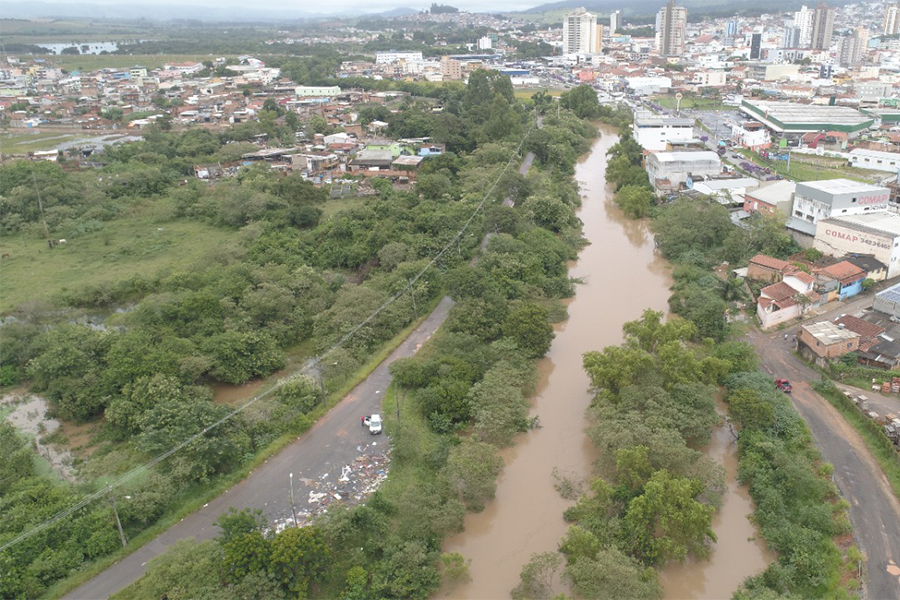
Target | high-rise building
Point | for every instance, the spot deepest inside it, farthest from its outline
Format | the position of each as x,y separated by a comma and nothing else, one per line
731,30
791,37
853,47
755,44
823,27
670,24
581,34
615,21
891,19
803,19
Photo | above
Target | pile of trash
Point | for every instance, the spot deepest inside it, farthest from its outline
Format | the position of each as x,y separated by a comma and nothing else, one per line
354,485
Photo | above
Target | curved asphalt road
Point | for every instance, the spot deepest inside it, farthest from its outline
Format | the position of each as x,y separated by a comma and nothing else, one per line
874,510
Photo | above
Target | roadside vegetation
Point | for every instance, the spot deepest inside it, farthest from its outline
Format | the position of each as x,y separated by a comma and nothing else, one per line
653,498
282,276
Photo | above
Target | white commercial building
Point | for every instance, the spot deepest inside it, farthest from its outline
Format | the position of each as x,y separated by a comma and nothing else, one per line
875,160
645,86
581,34
316,91
891,25
670,170
615,21
654,133
818,200
386,58
876,233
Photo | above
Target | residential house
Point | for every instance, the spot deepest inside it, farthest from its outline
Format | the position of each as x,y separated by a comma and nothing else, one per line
826,341
781,302
766,268
874,268
879,333
840,281
368,160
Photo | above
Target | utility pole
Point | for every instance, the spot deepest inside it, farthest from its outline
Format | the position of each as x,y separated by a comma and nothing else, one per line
293,510
112,498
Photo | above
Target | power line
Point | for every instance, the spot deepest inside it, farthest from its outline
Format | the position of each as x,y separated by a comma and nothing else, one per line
312,364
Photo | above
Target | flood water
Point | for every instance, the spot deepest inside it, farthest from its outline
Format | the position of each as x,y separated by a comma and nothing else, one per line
739,552
622,277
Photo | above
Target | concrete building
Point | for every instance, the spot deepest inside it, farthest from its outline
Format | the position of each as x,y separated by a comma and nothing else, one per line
822,27
751,135
755,46
645,86
581,34
451,69
826,341
853,47
891,24
773,72
615,21
791,37
670,29
668,171
888,301
790,118
803,20
816,200
709,78
654,133
386,58
876,233
774,199
875,160
485,43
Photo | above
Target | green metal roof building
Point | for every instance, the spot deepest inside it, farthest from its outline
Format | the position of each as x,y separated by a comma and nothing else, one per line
787,117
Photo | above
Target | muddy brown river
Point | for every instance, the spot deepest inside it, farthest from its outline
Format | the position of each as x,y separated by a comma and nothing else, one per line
622,277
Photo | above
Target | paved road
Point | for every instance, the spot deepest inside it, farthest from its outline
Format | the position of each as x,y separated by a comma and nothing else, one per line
318,457
874,510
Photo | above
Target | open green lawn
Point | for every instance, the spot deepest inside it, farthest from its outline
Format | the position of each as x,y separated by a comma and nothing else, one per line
123,248
527,93
689,101
22,141
64,30
805,168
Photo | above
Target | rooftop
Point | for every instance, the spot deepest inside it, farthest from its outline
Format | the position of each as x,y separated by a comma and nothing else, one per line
841,186
881,222
829,333
703,155
791,113
845,271
780,191
769,262
650,120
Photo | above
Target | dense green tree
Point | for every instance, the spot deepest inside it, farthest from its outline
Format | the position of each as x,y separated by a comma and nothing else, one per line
298,555
472,468
666,522
527,325
611,575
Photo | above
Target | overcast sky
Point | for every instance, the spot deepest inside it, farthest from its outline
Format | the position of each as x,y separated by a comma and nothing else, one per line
340,6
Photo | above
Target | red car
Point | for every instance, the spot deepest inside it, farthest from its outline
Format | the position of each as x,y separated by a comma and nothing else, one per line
784,385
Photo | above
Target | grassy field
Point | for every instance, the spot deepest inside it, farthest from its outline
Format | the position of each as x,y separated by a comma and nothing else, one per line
23,141
808,168
527,93
689,101
122,248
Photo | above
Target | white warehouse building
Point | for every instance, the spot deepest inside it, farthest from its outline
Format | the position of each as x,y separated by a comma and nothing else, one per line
875,160
654,133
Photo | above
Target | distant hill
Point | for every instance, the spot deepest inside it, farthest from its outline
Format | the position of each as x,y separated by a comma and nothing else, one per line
213,13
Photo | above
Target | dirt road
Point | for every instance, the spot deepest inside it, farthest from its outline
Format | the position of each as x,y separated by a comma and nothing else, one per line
874,510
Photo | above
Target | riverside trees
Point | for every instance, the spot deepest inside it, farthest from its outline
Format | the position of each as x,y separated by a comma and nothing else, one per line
288,276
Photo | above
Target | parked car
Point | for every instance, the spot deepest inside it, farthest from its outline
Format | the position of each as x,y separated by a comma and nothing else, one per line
784,385
373,422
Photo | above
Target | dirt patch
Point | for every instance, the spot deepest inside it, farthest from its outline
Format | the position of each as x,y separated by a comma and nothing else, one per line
29,416
78,438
